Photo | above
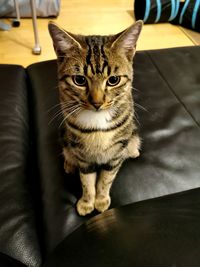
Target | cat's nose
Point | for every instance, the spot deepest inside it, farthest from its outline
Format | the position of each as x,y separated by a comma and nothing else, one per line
97,105
96,99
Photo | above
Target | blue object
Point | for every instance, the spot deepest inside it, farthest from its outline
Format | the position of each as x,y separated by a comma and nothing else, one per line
147,10
154,11
194,14
183,11
159,8
175,8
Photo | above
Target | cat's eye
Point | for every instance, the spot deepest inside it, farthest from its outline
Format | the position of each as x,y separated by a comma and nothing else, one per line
113,80
79,80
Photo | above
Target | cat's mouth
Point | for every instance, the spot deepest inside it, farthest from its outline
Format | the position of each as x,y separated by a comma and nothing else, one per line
97,106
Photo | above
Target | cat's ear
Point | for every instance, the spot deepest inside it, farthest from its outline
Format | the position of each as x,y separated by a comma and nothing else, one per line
63,41
127,39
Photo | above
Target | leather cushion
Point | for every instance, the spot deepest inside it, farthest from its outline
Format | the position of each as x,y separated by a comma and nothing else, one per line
18,236
162,232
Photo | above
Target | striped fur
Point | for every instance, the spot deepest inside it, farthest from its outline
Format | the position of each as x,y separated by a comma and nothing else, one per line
95,78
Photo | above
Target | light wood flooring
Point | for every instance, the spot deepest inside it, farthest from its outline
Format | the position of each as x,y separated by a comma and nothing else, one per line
85,17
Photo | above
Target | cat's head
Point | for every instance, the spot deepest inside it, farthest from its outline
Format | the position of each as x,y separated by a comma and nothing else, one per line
94,71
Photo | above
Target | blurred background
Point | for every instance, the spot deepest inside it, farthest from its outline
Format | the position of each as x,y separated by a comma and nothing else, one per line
86,17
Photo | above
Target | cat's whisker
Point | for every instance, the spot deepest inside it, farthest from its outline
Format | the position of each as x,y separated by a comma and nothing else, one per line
76,111
55,106
60,114
66,109
135,89
59,106
136,118
69,108
140,106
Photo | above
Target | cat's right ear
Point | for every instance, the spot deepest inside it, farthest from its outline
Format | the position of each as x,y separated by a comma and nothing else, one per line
62,41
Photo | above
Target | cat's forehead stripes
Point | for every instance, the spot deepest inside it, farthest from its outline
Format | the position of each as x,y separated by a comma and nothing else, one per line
96,59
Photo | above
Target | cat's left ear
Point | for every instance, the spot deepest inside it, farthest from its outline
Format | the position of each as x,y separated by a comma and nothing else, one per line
127,39
63,41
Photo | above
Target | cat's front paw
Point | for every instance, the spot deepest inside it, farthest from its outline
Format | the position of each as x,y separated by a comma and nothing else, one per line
84,207
133,147
102,203
134,153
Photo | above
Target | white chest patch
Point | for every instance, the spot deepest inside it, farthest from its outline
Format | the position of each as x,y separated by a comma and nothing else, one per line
94,119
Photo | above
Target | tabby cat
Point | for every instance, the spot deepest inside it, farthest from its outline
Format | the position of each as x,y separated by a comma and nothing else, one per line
95,87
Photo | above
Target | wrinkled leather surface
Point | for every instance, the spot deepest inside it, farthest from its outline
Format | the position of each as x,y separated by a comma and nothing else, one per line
183,79
18,235
167,83
160,232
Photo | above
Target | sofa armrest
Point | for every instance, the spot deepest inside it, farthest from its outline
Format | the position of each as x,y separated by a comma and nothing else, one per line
18,232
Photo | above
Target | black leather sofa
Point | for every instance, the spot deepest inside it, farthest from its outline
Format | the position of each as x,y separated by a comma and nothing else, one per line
154,220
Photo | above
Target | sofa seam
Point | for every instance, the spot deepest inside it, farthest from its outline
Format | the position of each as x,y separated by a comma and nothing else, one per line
172,90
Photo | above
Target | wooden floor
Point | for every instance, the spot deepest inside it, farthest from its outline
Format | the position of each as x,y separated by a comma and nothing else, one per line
85,17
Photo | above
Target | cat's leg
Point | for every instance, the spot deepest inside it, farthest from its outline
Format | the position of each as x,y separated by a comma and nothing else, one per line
106,178
85,204
70,164
133,147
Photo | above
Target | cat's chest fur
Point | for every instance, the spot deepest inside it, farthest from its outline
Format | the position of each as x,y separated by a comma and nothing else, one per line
97,120
97,146
97,141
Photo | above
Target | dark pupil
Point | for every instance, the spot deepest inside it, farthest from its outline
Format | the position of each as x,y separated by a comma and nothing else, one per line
79,80
113,80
